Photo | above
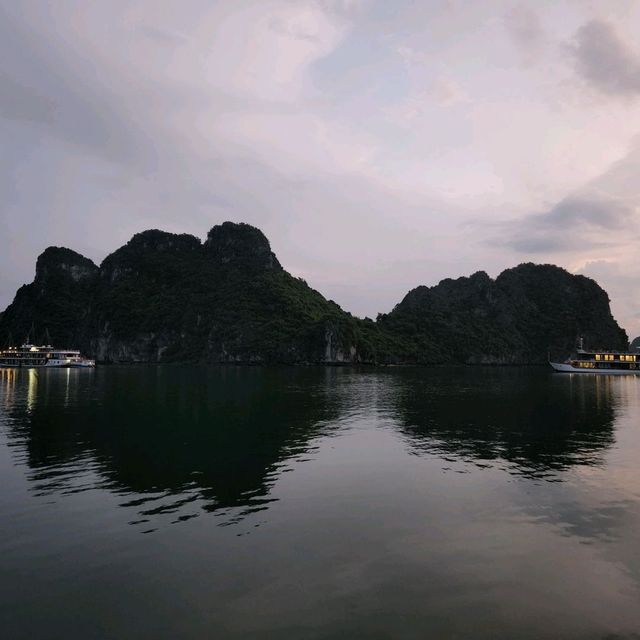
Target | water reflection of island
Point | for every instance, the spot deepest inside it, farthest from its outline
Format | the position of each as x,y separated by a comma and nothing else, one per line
174,441
537,424
166,437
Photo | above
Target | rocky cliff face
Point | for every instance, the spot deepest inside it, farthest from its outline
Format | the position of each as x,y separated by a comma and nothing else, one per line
528,312
170,297
57,300
57,264
241,245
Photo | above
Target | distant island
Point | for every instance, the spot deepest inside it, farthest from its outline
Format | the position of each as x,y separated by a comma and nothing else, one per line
167,297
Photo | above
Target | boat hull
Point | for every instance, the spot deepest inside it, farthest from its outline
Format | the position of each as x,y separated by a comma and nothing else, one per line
74,365
563,367
71,366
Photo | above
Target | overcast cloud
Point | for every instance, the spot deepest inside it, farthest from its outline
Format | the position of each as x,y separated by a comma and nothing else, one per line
606,61
379,145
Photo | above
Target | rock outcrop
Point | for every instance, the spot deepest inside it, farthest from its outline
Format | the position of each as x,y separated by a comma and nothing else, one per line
57,301
242,245
524,315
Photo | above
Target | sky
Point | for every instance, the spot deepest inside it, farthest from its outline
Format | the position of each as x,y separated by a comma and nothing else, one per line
379,145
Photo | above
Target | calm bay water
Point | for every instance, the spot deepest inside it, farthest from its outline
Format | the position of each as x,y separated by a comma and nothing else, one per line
205,502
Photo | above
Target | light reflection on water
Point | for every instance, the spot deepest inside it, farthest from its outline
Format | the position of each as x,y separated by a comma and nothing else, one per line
451,502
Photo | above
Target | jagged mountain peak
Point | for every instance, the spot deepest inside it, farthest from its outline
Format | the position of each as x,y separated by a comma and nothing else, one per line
236,243
64,262
155,241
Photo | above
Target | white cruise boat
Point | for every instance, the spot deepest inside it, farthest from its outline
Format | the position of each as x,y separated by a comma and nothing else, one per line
30,355
600,362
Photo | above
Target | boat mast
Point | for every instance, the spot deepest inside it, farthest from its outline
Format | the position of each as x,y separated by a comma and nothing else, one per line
32,332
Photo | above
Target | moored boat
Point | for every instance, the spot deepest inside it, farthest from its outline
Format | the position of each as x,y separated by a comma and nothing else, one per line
600,362
29,355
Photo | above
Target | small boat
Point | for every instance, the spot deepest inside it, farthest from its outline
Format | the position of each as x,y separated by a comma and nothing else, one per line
29,355
600,362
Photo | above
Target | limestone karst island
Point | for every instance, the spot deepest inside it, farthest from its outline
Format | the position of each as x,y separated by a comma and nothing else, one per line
165,297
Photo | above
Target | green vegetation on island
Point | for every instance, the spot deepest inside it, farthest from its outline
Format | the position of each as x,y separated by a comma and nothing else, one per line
170,297
522,316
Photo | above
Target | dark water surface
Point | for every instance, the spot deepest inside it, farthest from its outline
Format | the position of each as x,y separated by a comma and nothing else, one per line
203,502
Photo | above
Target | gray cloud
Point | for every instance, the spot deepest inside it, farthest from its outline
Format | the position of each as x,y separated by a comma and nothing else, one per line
48,86
21,103
575,211
576,222
525,28
605,61
532,242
